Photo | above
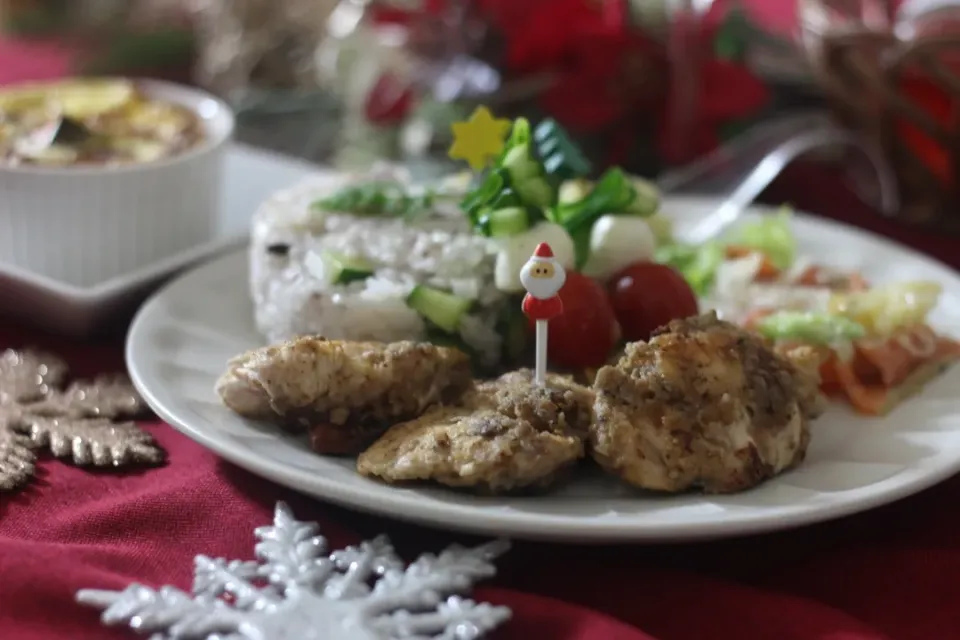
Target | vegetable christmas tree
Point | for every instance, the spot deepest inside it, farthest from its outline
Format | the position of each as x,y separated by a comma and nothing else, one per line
522,186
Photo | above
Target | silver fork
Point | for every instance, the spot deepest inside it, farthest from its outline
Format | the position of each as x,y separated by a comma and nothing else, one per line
738,172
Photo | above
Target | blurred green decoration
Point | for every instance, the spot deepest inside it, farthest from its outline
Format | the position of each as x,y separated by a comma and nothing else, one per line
115,47
161,48
737,34
38,18
734,36
36,22
732,129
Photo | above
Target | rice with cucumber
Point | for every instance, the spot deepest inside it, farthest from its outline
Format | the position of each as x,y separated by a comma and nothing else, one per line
376,278
377,258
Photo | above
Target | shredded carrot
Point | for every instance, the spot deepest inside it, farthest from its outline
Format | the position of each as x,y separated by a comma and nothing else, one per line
828,374
881,370
811,277
814,276
866,399
893,359
856,282
886,362
768,270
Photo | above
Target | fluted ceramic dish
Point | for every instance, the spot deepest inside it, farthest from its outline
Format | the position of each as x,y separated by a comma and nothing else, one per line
82,305
182,338
84,224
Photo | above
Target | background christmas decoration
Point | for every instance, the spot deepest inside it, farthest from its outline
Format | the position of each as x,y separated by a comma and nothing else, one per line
645,84
640,87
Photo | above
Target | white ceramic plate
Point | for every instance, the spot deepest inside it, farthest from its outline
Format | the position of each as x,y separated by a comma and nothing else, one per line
250,176
182,337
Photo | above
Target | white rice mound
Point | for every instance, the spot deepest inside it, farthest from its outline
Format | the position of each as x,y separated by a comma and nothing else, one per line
292,298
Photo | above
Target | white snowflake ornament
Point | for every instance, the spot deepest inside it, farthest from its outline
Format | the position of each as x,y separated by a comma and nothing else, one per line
296,590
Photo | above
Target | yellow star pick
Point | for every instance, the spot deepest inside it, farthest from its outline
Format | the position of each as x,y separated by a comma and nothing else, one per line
478,139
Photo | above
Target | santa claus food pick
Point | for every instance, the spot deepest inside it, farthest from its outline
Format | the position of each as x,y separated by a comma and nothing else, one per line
543,277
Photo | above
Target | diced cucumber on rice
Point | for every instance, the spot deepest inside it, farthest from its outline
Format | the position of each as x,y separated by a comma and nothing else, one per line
440,251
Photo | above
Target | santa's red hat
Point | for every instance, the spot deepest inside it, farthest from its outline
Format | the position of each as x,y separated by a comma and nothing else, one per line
543,250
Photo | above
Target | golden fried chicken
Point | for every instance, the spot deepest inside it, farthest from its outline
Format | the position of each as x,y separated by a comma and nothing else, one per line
508,434
345,393
703,404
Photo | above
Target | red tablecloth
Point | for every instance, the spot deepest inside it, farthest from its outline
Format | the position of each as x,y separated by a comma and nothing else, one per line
889,574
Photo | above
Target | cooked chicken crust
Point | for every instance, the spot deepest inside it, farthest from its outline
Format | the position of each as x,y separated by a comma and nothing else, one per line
509,434
347,393
703,404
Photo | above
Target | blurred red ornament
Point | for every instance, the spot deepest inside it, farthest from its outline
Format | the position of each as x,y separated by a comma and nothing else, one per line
726,92
609,76
605,74
389,101
542,34
942,108
930,87
389,13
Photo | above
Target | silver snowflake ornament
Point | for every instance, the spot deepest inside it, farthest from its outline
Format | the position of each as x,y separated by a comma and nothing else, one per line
298,590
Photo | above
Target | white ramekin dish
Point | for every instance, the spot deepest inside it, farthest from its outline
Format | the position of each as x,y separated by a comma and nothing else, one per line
84,225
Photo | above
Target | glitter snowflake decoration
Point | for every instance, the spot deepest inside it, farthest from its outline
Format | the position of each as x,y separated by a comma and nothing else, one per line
89,423
298,590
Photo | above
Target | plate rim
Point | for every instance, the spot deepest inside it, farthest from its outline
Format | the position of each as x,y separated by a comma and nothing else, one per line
466,518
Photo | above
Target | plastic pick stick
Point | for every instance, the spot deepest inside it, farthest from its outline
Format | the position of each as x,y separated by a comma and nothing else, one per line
540,368
542,277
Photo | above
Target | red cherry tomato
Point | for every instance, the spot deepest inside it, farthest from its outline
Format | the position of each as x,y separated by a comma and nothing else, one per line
585,333
647,295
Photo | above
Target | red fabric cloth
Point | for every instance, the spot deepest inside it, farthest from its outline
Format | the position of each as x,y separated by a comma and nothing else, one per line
24,61
886,575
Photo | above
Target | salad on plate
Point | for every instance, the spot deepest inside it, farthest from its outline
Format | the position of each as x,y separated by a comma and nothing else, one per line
874,341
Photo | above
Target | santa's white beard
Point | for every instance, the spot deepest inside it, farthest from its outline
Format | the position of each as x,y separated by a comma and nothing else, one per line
543,288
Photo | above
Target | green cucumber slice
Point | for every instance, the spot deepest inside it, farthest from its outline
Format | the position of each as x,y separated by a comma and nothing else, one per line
647,199
520,165
439,307
344,269
535,192
508,222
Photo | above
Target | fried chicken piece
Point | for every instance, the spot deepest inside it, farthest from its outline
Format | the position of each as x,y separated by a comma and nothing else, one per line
704,404
508,434
345,393
587,376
